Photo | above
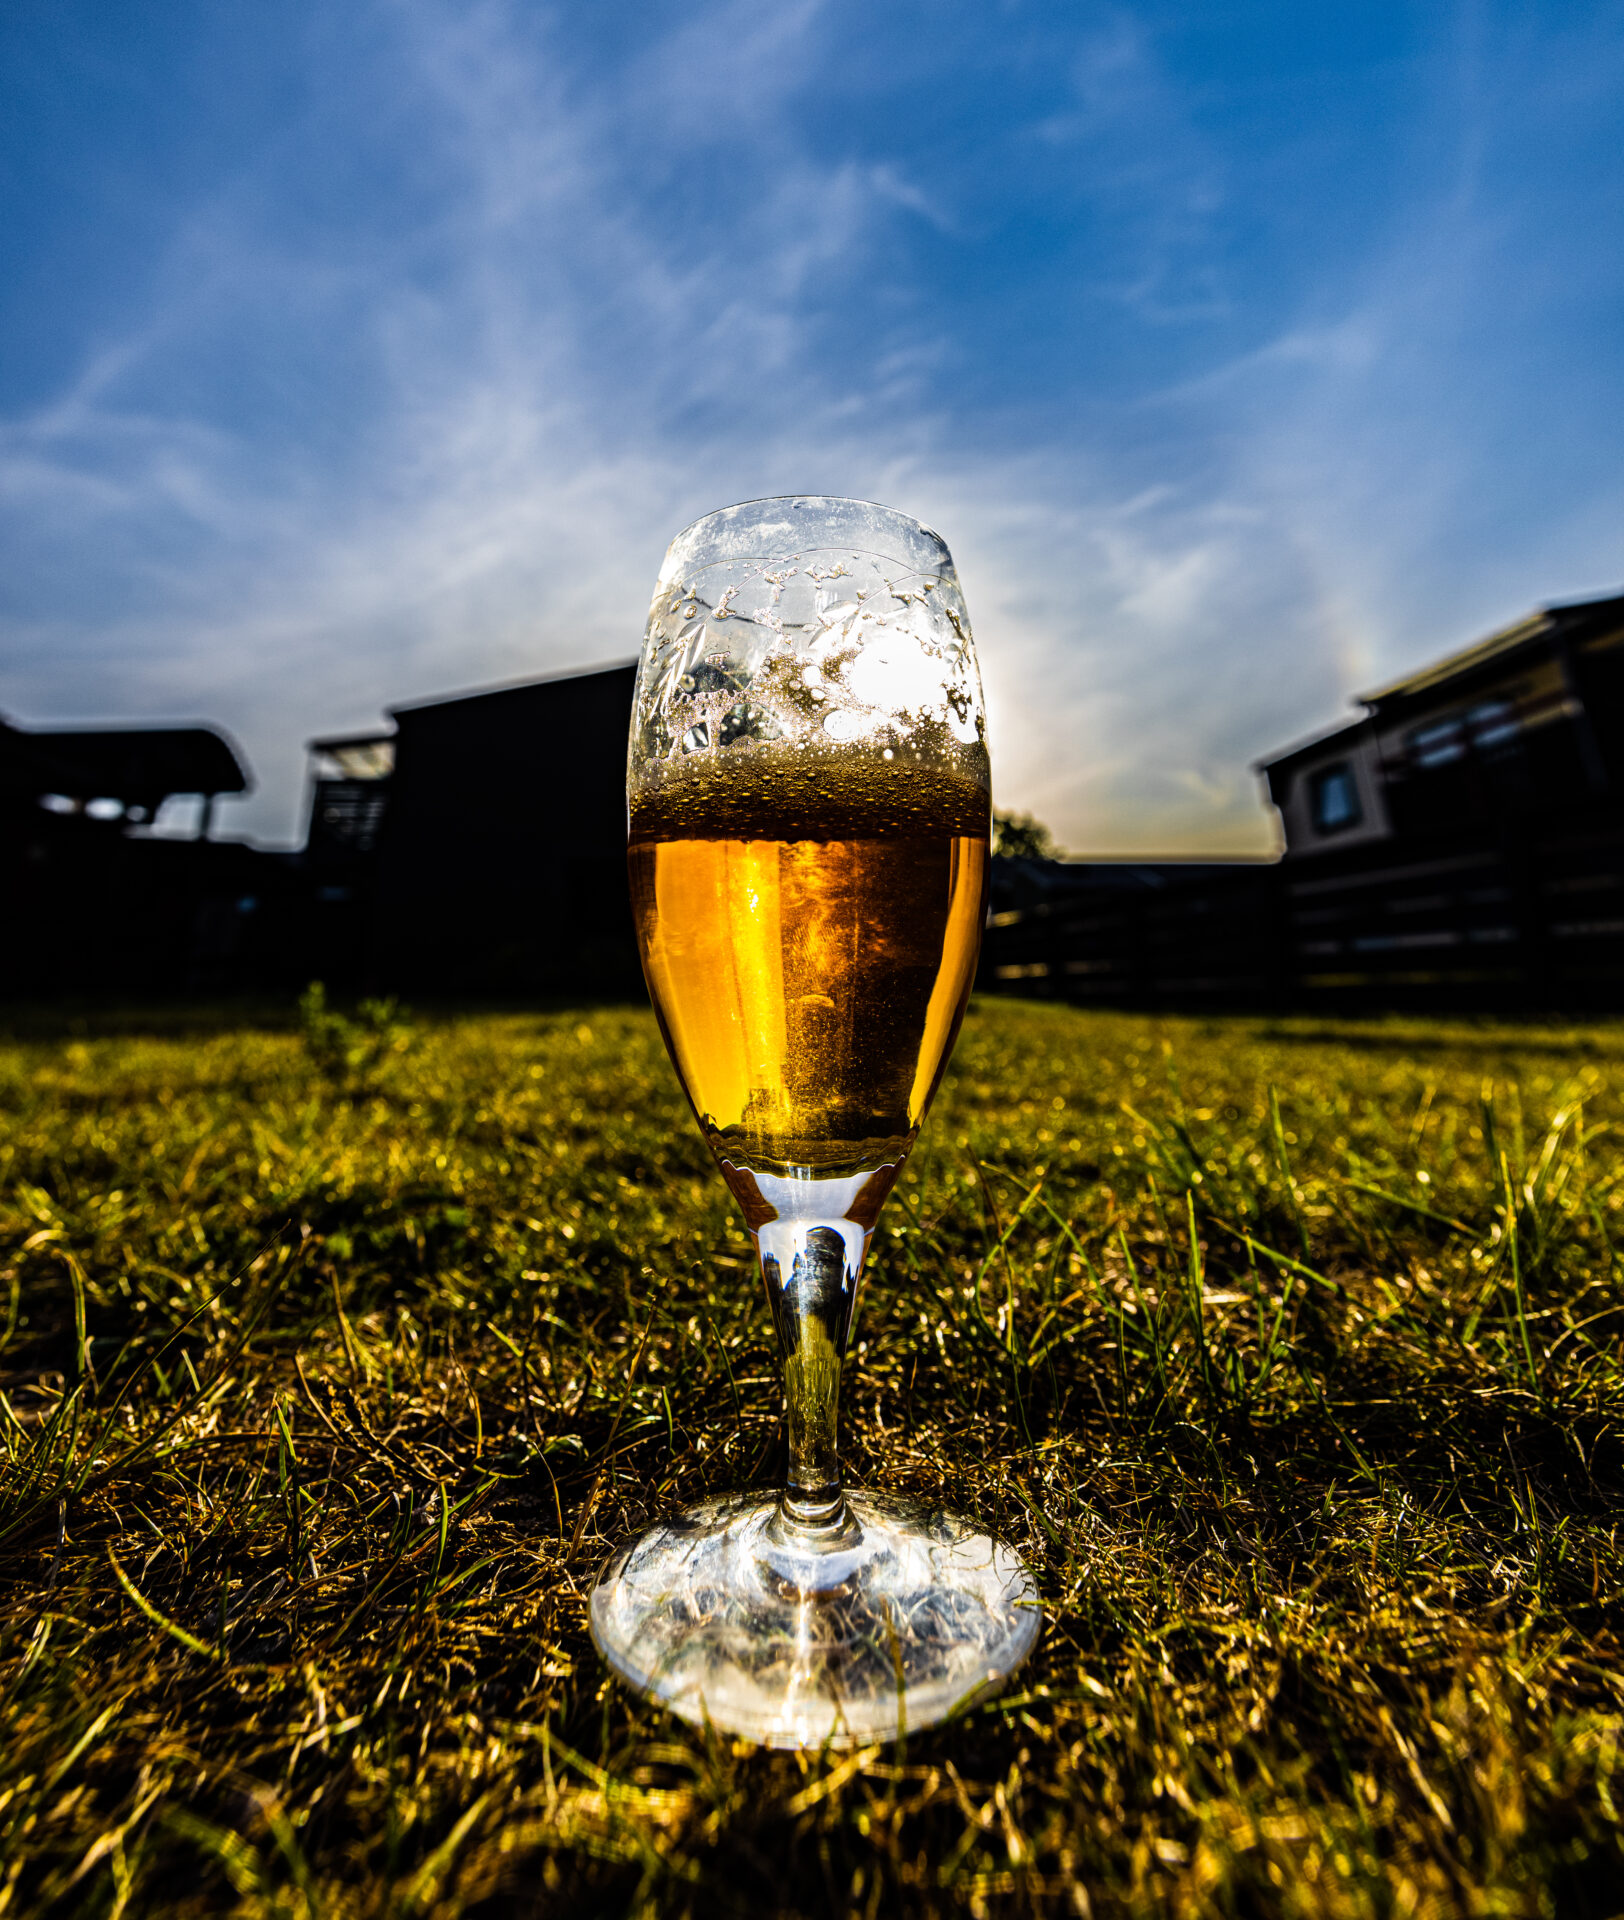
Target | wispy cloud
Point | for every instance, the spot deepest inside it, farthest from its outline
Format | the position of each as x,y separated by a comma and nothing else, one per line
347,457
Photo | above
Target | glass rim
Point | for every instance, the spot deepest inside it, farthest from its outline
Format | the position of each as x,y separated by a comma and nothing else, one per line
835,499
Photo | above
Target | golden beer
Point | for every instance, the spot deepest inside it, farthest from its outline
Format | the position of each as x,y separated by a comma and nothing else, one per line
809,923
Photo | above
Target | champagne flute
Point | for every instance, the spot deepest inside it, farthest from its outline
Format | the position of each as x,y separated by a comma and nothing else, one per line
809,801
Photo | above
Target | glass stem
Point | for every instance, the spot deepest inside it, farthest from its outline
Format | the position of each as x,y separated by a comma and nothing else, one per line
810,1269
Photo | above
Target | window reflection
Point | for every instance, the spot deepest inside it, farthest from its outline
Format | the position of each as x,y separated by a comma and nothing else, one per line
1334,798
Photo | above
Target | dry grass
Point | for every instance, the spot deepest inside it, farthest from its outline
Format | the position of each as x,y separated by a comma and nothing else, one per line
1292,1360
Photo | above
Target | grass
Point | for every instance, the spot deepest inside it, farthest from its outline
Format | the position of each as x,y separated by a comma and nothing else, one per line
1289,1354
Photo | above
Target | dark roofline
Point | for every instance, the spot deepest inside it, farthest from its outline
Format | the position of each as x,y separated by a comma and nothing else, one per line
1120,873
1302,748
1588,605
1158,860
511,686
180,742
54,729
1498,646
1502,645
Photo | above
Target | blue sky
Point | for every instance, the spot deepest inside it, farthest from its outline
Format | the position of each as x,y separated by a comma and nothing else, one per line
1245,353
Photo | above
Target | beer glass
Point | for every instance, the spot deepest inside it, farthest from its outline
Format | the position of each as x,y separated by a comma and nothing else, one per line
808,795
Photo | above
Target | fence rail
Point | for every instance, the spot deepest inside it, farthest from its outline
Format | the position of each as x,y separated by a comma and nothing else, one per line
1533,922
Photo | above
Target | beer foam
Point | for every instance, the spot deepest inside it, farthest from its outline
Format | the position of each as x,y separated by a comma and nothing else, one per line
808,790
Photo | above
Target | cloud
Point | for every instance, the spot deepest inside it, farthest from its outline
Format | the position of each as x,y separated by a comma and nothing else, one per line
502,508
1129,147
439,437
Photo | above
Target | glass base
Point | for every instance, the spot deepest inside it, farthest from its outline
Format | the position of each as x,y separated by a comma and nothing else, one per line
722,1616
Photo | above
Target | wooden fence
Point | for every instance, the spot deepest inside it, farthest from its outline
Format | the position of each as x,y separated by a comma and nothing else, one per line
1532,923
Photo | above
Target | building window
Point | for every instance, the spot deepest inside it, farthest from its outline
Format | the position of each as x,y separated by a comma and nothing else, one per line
1333,799
1492,728
1440,743
1494,725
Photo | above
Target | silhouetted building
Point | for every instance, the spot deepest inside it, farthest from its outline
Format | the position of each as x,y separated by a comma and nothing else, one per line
349,796
478,848
500,858
117,776
1464,840
1461,843
1523,729
94,901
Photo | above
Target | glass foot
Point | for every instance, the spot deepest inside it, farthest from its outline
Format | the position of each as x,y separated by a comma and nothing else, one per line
912,1614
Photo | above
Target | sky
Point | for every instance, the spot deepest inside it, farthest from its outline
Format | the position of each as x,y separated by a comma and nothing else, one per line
1246,353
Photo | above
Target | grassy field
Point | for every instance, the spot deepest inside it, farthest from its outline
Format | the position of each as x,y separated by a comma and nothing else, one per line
334,1362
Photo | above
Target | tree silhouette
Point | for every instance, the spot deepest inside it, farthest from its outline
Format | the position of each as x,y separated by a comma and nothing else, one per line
1018,836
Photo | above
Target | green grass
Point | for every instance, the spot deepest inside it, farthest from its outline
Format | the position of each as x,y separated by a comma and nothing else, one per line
1290,1356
